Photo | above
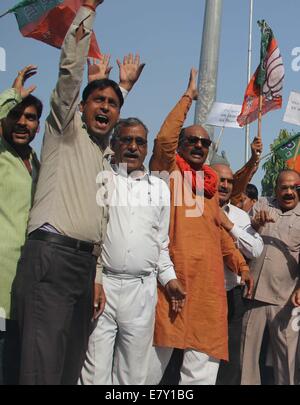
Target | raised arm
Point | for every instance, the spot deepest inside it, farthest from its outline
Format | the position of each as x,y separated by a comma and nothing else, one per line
13,96
166,142
244,175
65,96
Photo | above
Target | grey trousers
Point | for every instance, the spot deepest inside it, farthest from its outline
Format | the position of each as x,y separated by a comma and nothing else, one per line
283,339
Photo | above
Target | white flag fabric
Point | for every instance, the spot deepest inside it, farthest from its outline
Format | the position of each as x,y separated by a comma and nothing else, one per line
292,112
224,115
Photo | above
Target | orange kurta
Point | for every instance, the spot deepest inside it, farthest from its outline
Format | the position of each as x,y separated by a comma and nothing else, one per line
197,247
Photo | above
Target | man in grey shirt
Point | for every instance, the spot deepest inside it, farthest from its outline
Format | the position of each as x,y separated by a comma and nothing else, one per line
276,277
56,272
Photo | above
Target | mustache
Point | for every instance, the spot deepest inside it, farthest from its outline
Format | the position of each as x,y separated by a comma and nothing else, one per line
197,152
20,129
223,190
288,197
131,155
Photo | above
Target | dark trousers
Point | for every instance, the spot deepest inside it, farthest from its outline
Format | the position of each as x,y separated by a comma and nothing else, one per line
9,353
230,372
52,294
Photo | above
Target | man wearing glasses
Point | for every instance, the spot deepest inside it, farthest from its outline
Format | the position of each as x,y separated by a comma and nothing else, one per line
276,277
135,253
197,246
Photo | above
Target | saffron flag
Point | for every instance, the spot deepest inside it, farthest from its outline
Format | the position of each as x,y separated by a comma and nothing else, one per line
289,150
267,80
49,20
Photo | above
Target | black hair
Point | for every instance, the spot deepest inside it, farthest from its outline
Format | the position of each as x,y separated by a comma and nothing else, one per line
251,191
29,101
101,85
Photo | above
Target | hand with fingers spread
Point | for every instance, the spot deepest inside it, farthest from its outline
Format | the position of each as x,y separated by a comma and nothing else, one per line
130,70
176,294
19,81
99,68
192,90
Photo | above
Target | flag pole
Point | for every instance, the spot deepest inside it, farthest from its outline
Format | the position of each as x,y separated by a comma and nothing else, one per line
247,129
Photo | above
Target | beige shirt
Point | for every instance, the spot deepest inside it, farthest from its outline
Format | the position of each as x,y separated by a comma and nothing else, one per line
276,271
70,160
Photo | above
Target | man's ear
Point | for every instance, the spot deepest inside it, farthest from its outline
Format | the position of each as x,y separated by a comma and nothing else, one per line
81,106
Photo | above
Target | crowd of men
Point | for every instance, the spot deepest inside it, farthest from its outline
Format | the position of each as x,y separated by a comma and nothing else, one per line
109,269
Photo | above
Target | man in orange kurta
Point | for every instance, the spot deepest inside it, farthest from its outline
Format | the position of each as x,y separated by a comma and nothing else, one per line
198,245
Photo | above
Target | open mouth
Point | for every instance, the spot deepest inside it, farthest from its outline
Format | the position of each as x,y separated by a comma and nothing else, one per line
102,119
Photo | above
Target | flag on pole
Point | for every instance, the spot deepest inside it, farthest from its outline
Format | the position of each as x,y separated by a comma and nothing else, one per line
48,21
289,150
267,79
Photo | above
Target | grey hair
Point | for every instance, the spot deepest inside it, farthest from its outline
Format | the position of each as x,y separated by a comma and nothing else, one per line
126,122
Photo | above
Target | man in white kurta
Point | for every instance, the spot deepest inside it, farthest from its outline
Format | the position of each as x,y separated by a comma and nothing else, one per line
135,254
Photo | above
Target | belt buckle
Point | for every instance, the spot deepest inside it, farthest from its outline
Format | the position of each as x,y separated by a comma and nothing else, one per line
96,249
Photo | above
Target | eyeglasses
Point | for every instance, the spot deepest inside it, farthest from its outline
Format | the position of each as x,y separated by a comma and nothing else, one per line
193,140
286,187
127,140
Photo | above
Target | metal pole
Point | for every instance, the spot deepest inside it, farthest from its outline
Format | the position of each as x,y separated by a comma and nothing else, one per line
209,59
247,128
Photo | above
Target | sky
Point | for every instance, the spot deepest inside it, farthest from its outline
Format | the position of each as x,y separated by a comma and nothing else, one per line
167,34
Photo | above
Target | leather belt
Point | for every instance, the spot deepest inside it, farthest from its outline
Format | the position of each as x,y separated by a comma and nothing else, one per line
93,248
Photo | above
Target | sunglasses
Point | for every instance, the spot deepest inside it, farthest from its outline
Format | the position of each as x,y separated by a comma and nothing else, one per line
127,140
193,140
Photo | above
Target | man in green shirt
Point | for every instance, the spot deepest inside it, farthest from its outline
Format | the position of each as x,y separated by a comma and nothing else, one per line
20,113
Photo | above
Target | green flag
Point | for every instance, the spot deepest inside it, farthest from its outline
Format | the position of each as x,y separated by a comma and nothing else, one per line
289,150
23,3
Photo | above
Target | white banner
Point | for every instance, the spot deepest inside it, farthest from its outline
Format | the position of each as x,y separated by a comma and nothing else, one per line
224,115
292,112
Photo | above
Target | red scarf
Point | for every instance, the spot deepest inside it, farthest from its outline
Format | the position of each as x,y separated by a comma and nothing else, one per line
210,177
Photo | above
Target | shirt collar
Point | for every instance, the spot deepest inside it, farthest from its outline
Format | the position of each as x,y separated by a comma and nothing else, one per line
119,170
295,210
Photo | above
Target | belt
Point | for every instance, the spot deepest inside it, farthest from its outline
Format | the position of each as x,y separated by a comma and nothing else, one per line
141,275
93,248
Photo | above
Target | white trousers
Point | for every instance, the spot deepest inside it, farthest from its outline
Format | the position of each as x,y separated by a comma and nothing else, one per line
120,344
197,368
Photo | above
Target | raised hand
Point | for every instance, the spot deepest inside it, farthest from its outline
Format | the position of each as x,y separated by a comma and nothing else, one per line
192,90
98,68
256,149
93,3
130,70
19,81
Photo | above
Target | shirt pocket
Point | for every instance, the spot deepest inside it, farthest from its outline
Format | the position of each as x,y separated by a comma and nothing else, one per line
294,235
